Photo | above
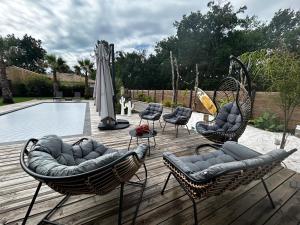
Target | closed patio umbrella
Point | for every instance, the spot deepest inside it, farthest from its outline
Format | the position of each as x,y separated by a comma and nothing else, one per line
104,89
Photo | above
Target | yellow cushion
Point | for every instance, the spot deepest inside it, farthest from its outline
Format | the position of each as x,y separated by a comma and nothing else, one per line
206,101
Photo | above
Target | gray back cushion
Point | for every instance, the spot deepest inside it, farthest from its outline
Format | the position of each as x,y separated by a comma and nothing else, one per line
182,111
52,157
228,119
237,151
154,108
223,168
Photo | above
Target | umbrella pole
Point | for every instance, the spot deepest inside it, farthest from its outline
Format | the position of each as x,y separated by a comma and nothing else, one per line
113,76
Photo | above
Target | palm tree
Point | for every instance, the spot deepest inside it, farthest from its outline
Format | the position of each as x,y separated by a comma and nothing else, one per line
56,64
77,70
87,67
8,49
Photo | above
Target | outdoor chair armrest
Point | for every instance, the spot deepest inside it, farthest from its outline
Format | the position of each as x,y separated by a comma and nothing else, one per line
80,141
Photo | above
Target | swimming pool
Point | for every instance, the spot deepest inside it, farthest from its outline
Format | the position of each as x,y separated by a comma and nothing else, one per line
62,119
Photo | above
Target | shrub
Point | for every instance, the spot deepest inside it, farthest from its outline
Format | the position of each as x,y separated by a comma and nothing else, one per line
174,105
19,89
141,97
144,98
167,103
148,99
39,87
268,121
43,87
69,89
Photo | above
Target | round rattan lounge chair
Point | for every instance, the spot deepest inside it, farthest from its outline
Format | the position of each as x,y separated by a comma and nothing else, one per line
224,167
152,112
180,117
232,99
86,167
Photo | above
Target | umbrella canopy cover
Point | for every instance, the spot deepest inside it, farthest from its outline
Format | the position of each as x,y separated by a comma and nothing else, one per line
103,90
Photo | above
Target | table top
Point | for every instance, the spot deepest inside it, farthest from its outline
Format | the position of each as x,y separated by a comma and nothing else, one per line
152,133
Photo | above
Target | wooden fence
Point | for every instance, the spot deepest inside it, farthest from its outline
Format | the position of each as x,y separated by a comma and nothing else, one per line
263,102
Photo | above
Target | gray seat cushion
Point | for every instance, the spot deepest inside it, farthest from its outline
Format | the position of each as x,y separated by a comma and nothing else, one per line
152,112
195,163
228,119
230,157
52,157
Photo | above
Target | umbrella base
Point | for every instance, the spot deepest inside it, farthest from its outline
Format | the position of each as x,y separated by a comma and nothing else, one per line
120,124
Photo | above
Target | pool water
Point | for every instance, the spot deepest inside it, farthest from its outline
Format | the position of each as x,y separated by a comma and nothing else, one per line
62,119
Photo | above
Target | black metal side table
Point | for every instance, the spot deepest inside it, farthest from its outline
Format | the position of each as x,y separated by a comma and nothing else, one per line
152,133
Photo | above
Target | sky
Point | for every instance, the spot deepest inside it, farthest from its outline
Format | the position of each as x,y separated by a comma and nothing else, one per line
70,28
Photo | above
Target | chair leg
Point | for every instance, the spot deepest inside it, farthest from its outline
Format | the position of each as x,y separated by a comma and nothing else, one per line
146,172
129,144
176,128
140,121
49,214
165,185
195,211
149,147
193,200
32,203
153,125
160,124
188,129
268,193
121,204
164,127
142,185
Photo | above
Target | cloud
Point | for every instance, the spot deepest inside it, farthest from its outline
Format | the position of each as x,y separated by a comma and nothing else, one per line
70,28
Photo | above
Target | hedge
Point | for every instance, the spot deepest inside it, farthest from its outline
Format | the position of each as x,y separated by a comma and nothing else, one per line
43,87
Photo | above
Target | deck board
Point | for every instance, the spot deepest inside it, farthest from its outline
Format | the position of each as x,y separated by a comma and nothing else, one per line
245,205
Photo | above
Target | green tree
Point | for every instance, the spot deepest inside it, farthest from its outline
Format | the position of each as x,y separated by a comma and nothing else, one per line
208,39
9,49
280,70
56,64
35,54
77,69
284,30
87,67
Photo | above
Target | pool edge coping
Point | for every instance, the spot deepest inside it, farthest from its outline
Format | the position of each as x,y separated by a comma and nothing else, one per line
87,130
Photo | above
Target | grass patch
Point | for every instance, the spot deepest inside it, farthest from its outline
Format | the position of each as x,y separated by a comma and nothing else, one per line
21,99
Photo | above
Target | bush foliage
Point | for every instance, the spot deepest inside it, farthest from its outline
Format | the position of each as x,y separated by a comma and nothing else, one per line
34,86
268,121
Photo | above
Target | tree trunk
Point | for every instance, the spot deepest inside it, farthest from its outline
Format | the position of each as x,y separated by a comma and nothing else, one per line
173,79
196,86
285,126
55,83
86,89
6,92
177,81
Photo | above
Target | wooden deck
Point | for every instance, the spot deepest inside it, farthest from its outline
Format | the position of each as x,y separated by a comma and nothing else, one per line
246,205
